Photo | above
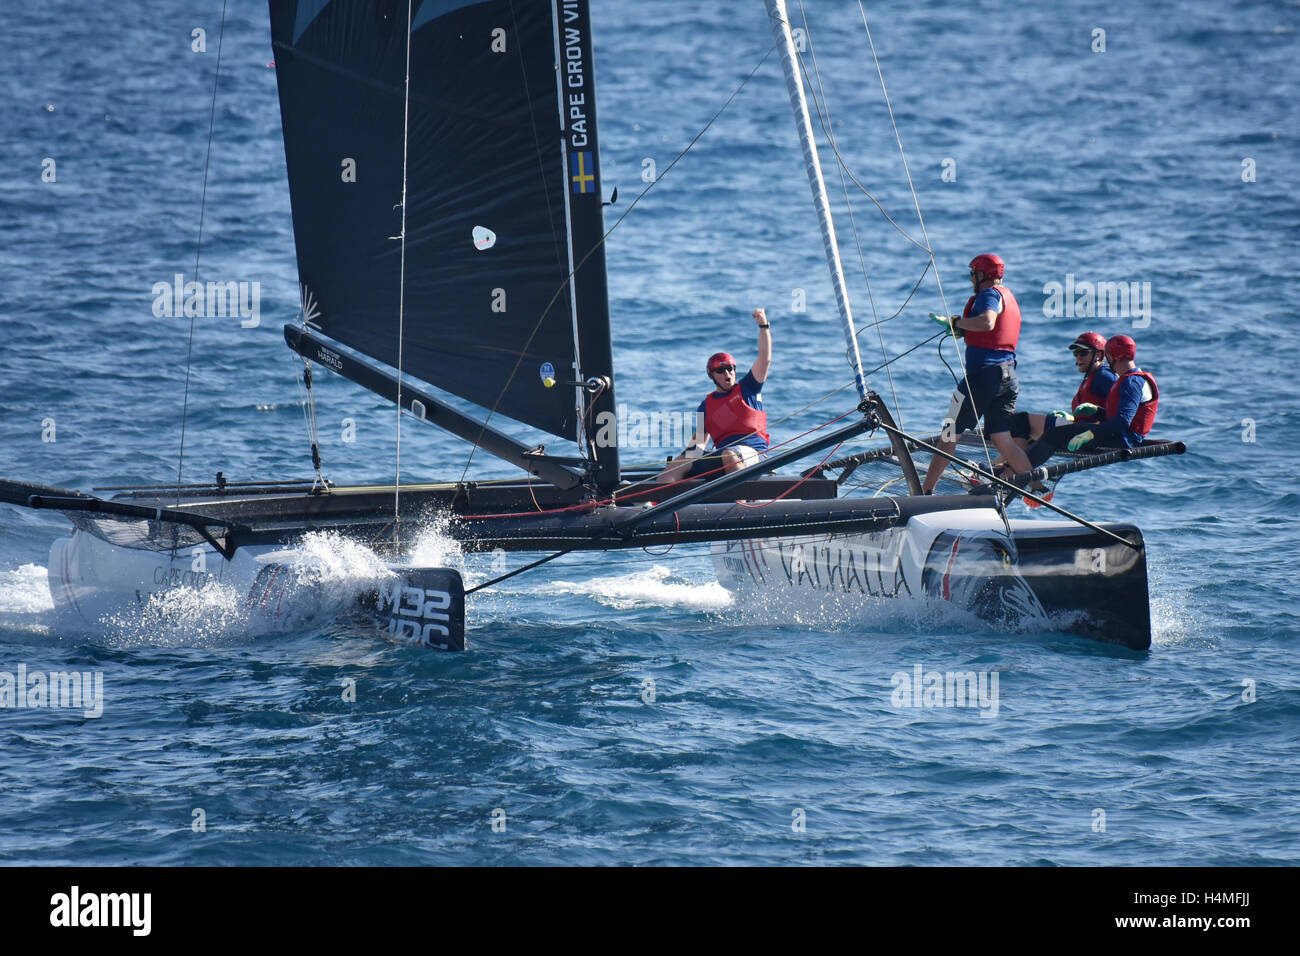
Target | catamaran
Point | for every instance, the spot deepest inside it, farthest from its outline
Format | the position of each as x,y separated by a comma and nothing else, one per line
468,258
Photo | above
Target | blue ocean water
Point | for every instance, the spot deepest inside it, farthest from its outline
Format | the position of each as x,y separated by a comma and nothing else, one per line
622,709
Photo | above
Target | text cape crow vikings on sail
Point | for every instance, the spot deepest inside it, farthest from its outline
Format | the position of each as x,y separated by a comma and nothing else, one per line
575,70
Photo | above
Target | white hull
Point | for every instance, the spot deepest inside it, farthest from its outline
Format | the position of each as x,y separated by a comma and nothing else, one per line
96,582
259,590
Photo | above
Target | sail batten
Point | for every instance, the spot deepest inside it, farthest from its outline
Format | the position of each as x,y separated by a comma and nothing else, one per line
489,248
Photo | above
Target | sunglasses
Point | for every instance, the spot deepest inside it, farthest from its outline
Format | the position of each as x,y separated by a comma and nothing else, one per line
725,368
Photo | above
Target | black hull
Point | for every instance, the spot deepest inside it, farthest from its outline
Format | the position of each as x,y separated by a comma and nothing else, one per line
1082,581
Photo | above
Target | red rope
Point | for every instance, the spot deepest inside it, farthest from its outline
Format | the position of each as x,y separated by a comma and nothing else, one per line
764,504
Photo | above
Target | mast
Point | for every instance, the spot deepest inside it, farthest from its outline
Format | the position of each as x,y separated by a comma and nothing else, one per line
780,21
776,13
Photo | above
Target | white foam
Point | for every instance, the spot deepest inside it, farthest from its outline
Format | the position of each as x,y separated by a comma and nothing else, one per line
321,577
648,588
434,548
1175,617
182,617
25,590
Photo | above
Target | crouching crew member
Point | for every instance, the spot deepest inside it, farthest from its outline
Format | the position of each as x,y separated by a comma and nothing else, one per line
1089,359
1126,418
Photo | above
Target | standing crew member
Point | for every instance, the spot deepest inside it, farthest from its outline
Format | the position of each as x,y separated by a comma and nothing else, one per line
732,415
1127,416
990,324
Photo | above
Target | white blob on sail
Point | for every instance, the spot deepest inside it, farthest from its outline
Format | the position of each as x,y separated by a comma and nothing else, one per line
484,238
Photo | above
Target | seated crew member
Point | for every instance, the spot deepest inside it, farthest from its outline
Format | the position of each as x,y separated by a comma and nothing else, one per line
1127,416
1088,351
990,324
732,415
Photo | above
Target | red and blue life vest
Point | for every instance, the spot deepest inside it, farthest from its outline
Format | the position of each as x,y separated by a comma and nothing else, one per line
729,416
1145,416
1085,394
1006,330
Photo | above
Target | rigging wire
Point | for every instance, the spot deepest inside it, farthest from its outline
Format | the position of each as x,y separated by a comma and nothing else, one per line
198,247
307,400
890,318
926,235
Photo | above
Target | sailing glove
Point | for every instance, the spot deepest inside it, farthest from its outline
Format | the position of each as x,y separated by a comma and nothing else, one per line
1066,415
947,323
1078,441
1087,408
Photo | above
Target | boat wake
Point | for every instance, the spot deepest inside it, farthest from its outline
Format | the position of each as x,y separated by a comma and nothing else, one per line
831,611
25,603
654,587
24,591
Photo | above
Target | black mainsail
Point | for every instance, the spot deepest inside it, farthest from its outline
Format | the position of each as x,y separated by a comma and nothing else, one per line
505,269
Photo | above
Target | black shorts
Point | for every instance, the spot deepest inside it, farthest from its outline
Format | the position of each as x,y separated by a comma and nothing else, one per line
712,464
1020,425
996,389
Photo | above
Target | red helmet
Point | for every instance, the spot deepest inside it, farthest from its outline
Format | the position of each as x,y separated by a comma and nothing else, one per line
989,264
718,359
1088,340
1120,347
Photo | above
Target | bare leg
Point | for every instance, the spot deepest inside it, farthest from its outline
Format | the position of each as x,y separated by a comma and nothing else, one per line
1013,453
937,465
738,456
1037,423
676,469
1019,462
